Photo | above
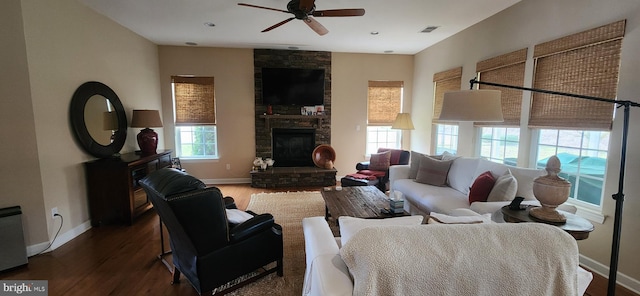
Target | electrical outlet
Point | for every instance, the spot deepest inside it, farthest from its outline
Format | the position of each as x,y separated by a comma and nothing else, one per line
228,166
54,212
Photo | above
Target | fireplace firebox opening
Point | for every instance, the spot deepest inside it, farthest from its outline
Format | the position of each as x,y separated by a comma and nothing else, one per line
293,147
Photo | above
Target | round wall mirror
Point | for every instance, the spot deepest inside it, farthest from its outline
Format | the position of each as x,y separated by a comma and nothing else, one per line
98,119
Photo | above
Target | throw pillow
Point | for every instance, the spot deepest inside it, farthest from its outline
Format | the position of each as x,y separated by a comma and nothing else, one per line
433,172
414,165
504,189
235,216
351,225
380,161
448,156
481,187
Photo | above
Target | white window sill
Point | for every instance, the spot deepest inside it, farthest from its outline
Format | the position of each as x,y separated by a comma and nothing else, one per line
192,160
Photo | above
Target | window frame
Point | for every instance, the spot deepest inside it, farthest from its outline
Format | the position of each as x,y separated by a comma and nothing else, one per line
198,122
585,209
383,126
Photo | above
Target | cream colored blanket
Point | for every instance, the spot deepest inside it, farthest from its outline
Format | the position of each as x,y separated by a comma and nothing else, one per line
472,259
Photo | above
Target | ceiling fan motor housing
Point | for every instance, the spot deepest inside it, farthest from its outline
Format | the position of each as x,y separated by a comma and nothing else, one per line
294,8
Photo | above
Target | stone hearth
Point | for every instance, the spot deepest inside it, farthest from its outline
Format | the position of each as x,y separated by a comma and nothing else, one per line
293,177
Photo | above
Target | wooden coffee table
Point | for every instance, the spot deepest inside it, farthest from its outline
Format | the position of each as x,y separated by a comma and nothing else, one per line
577,226
357,201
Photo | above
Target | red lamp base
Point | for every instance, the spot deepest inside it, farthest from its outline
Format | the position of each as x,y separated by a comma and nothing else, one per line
148,141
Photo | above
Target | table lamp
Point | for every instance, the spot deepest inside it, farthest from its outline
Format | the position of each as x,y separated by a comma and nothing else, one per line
147,138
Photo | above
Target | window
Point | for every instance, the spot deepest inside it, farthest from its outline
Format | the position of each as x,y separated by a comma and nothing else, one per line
447,138
500,144
577,130
195,117
446,135
499,140
583,159
384,104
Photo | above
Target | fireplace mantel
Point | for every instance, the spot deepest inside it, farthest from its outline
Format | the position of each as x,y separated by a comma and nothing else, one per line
268,118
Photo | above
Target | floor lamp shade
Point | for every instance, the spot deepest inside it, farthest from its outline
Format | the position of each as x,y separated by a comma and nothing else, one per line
147,138
403,122
472,105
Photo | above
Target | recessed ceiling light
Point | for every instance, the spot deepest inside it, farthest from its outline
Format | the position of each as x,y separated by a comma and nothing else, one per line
191,43
209,24
375,33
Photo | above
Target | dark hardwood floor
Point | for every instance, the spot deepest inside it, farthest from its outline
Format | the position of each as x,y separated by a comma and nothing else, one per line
121,260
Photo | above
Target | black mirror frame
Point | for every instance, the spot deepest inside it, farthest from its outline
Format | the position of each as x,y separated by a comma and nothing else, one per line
76,115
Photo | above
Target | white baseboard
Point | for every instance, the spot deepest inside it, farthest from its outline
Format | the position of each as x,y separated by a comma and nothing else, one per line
62,239
603,270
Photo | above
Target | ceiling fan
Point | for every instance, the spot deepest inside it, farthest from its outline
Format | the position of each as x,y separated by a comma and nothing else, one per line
304,10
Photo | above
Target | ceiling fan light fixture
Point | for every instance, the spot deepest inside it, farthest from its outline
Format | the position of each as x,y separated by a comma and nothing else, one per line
209,24
374,33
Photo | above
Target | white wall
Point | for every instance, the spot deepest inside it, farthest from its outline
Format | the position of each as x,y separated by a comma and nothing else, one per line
65,45
349,85
524,25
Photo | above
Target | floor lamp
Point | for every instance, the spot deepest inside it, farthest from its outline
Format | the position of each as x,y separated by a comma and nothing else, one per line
618,197
402,122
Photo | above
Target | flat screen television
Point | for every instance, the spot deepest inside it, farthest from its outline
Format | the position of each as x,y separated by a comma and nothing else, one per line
292,86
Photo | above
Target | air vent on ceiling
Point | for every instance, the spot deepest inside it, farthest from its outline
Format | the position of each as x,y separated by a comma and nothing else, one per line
429,29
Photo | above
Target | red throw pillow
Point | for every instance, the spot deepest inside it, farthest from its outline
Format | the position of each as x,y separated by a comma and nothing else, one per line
380,161
481,187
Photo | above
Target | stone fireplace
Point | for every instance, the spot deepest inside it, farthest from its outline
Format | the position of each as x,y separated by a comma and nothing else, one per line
291,169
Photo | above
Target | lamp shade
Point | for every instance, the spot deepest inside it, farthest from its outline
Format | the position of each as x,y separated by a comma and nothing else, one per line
403,122
472,105
146,118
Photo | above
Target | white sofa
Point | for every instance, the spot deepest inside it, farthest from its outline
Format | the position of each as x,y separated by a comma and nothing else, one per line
422,199
328,275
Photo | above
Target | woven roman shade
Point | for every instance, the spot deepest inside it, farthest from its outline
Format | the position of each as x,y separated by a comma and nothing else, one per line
504,69
444,81
385,100
586,63
194,100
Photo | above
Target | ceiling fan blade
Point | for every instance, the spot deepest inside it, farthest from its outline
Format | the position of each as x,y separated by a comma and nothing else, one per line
277,25
306,5
262,7
340,12
316,26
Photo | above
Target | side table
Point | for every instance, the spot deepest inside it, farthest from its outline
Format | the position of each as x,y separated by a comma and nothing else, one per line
577,226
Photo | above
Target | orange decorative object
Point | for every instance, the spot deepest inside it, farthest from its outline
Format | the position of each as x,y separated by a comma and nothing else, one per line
322,155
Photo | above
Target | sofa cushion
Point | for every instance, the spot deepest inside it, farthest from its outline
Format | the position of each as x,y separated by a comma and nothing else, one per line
437,218
380,161
462,173
433,172
481,187
525,177
504,189
351,225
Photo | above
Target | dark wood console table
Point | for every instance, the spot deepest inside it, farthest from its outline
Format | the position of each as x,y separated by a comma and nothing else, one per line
112,186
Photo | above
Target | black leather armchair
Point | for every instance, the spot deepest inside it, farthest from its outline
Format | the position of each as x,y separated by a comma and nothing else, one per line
206,248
